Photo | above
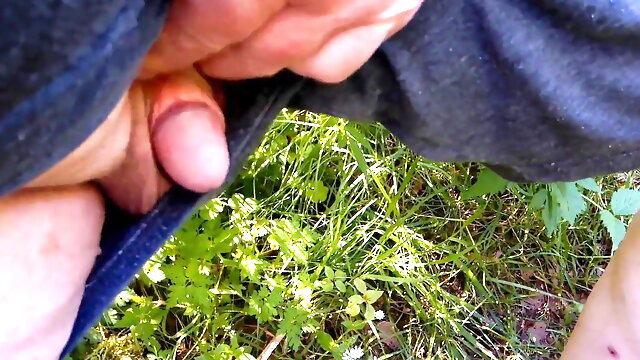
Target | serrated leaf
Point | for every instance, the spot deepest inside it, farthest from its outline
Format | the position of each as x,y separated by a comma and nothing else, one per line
589,184
291,326
196,248
570,201
360,285
369,313
539,199
616,228
130,318
372,296
488,183
625,202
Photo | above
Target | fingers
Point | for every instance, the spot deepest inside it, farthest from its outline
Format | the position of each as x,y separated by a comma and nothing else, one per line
238,40
197,28
293,34
328,65
296,33
49,240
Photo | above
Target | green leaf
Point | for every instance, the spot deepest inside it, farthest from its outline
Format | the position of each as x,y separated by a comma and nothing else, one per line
196,248
291,326
353,307
290,239
316,191
354,325
130,318
177,295
327,285
570,201
223,242
329,272
352,129
488,183
372,296
615,228
360,285
369,313
155,274
356,299
325,340
625,202
539,199
341,286
589,184
198,275
357,153
551,217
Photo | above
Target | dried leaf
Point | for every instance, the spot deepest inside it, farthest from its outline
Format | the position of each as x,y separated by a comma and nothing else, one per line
388,335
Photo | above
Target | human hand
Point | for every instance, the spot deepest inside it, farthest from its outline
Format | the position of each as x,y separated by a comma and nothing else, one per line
326,40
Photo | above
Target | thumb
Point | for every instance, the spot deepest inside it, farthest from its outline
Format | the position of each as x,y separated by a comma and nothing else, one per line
197,28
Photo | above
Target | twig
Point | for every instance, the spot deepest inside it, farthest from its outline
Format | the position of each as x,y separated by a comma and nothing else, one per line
271,346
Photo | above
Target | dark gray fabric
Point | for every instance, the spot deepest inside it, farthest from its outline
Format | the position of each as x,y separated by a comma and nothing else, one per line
541,90
63,67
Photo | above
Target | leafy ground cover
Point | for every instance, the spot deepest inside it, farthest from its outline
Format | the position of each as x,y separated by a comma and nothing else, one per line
337,242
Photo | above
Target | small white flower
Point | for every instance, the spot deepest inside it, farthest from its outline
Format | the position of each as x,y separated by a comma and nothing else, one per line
379,315
354,353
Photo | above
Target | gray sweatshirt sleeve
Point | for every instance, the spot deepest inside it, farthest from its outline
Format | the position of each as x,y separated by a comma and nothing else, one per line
541,90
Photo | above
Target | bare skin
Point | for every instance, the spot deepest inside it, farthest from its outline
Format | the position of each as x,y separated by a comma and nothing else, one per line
43,269
50,231
170,131
608,328
228,39
166,131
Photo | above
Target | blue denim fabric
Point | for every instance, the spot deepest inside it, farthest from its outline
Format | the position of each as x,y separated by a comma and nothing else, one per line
540,90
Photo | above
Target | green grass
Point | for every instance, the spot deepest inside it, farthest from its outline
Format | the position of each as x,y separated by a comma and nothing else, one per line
331,220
